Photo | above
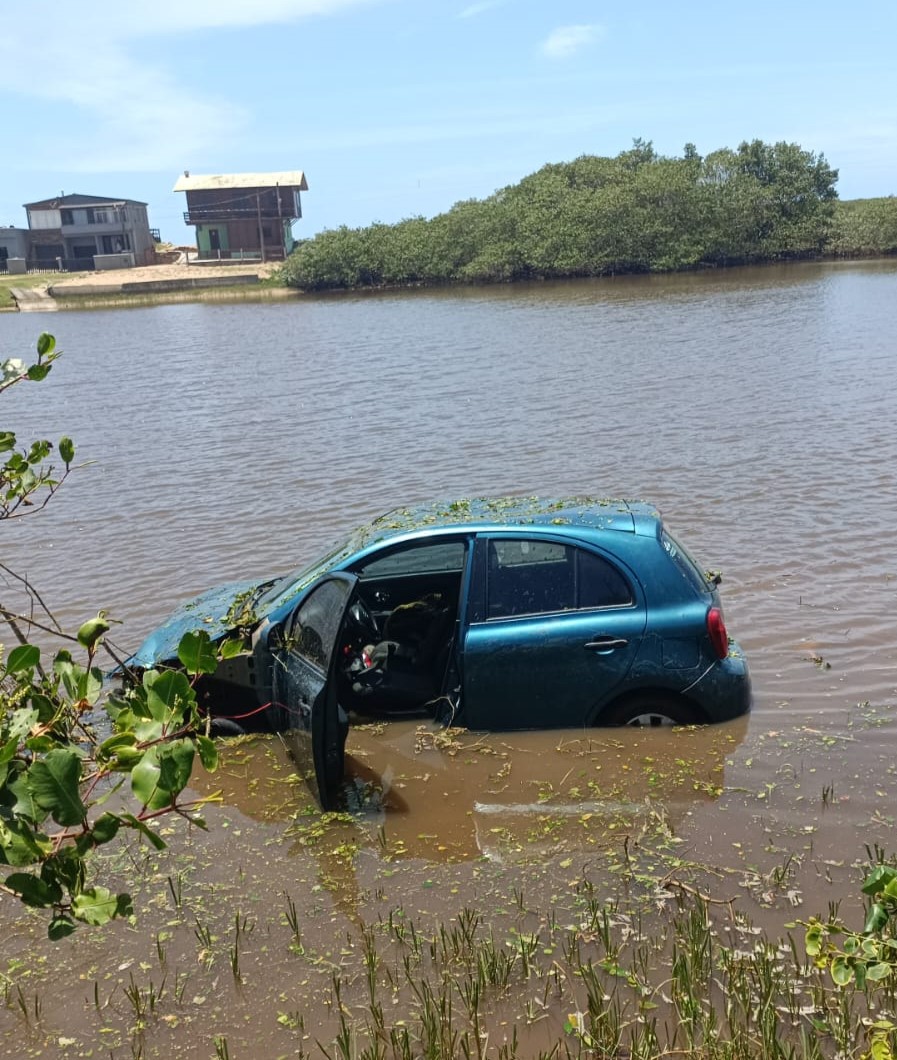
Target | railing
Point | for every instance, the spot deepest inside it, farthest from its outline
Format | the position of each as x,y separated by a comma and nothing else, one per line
37,265
252,255
210,214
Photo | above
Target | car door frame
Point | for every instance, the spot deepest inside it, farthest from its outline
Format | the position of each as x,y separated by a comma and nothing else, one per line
317,742
596,620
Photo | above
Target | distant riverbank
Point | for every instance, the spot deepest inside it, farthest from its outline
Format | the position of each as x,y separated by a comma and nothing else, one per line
639,212
148,285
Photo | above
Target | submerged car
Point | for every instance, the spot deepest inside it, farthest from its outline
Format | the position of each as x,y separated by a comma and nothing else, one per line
501,613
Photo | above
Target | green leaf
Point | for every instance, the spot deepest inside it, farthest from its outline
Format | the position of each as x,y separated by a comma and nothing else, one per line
109,748
37,372
7,441
878,879
105,828
25,657
46,343
24,804
32,890
176,762
229,649
98,905
145,778
60,927
8,749
169,696
878,971
132,822
876,920
20,844
842,971
197,654
67,450
40,744
65,867
54,783
45,707
813,940
162,774
22,722
208,753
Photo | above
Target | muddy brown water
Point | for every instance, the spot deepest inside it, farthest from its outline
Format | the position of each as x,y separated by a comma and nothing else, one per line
754,407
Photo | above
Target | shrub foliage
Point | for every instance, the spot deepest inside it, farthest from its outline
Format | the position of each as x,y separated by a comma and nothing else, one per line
637,212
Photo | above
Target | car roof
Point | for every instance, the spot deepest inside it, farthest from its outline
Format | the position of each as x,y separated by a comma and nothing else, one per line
487,513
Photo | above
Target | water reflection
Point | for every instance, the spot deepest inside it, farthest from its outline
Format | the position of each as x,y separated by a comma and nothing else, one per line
417,791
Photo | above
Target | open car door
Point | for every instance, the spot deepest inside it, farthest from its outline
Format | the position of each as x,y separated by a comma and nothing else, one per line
305,685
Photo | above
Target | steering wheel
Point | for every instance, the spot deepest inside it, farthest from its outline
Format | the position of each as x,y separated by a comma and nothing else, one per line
364,625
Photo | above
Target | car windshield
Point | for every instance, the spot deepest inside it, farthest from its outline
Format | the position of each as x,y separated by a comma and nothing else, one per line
302,576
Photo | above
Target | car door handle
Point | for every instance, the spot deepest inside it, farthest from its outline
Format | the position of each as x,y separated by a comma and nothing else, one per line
605,644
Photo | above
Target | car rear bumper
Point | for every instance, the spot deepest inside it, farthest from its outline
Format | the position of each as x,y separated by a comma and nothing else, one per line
724,691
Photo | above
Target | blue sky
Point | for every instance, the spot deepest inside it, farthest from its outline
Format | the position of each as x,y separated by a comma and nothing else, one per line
401,107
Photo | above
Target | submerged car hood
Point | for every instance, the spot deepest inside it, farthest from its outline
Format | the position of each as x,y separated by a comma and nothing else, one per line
211,611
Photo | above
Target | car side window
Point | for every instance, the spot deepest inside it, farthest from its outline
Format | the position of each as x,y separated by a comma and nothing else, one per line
598,583
441,556
530,577
316,623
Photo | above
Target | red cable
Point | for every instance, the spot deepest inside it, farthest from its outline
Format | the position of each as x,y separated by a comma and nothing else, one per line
257,710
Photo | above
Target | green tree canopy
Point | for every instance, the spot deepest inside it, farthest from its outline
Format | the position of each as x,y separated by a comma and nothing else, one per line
637,212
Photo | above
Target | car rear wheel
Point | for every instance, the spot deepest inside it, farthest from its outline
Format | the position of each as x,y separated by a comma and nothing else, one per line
652,711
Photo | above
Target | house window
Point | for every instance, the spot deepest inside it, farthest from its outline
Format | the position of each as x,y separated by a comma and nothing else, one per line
97,217
67,217
116,244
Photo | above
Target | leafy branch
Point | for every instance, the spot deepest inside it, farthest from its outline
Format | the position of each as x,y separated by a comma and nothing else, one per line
66,748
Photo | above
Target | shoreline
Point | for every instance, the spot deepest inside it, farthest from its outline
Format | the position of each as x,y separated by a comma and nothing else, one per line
163,284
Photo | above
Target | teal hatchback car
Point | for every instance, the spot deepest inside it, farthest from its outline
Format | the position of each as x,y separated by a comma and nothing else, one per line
490,613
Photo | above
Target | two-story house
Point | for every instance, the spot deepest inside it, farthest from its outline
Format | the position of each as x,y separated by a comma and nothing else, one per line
88,231
243,215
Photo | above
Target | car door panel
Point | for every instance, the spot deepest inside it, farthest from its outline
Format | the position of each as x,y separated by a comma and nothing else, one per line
305,686
545,669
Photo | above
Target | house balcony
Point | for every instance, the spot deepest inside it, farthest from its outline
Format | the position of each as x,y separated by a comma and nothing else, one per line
108,228
200,215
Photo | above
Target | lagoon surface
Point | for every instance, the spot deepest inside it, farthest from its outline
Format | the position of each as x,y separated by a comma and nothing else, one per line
755,407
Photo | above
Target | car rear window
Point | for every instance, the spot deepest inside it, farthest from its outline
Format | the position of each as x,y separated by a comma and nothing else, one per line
691,571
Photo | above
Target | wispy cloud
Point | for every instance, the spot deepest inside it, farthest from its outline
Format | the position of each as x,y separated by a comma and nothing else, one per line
141,114
567,40
472,10
111,18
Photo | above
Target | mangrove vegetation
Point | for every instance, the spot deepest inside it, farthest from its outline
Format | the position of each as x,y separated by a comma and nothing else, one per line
595,216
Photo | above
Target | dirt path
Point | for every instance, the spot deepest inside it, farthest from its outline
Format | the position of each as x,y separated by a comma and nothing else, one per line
178,271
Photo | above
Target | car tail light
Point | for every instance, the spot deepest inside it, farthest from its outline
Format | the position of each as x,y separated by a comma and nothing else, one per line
716,629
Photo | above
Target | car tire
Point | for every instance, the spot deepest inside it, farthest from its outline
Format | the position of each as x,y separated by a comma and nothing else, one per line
652,710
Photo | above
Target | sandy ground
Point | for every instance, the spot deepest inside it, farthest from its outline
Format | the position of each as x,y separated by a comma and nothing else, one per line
160,272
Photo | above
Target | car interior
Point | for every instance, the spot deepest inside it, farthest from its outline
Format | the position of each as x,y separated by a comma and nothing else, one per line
398,638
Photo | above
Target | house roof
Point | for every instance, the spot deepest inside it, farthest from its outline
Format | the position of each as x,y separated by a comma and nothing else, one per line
290,178
78,200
